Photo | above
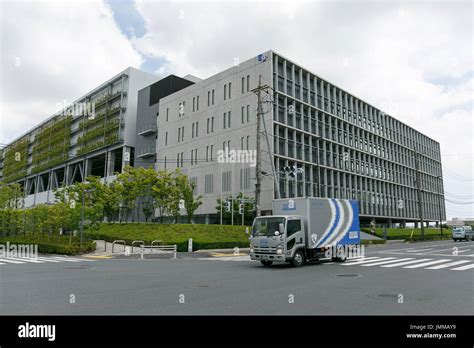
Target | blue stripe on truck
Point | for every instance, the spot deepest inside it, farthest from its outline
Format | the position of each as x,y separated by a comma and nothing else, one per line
333,227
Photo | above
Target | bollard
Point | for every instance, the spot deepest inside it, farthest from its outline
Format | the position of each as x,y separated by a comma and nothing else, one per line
174,251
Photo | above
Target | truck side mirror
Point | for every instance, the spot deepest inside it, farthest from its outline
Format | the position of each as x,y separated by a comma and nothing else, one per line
281,228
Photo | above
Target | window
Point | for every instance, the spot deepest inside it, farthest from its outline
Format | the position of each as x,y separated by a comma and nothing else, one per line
208,123
197,129
207,153
192,130
208,98
197,103
245,178
177,161
228,119
225,92
213,97
195,156
226,181
248,83
167,114
192,157
248,141
293,226
223,146
228,144
209,183
182,133
212,150
248,113
166,139
242,116
179,135
212,124
165,162
242,143
224,124
243,83
182,156
194,103
230,90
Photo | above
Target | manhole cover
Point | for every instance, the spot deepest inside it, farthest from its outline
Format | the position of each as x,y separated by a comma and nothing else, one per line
347,275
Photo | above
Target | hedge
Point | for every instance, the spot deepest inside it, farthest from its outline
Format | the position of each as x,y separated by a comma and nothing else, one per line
204,236
55,245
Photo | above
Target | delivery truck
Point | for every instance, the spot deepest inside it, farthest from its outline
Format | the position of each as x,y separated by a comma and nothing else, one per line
304,229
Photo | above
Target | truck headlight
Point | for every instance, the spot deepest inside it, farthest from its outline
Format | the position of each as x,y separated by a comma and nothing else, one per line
279,250
251,250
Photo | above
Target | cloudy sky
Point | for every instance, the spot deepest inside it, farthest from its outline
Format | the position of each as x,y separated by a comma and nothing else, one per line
414,60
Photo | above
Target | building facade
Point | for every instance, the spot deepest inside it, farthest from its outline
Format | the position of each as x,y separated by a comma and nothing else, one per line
95,135
345,147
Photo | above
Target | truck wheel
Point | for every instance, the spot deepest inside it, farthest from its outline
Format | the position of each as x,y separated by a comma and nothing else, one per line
298,259
339,259
266,263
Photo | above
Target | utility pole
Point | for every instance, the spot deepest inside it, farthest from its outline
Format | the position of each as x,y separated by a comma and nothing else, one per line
418,191
258,167
440,178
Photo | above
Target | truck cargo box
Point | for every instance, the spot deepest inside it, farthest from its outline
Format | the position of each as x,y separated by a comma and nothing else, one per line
330,222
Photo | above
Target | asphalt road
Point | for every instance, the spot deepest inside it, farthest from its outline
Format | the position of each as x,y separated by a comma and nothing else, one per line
416,279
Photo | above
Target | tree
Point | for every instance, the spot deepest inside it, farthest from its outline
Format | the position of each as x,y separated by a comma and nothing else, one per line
161,192
186,189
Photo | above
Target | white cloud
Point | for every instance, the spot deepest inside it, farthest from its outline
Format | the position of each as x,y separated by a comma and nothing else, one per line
64,49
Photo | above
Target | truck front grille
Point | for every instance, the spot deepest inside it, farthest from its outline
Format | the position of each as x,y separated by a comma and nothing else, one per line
264,250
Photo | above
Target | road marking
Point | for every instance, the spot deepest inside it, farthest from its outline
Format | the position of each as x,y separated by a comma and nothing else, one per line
463,268
450,249
360,258
418,250
45,259
446,265
227,255
423,254
26,259
405,263
427,263
10,261
463,251
367,261
386,262
69,259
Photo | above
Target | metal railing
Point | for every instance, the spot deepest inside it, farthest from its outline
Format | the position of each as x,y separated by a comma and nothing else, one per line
137,241
118,241
164,248
146,152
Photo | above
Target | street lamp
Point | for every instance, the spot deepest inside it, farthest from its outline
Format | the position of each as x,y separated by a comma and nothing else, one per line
82,213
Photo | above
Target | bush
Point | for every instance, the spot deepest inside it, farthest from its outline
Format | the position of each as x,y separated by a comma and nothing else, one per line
406,233
55,245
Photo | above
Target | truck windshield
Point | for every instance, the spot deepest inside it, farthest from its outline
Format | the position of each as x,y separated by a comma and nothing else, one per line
267,226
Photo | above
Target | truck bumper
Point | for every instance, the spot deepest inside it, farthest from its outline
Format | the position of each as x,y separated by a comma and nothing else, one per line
267,257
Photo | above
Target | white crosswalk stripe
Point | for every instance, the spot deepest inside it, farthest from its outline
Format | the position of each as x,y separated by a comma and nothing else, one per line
366,260
386,262
404,263
463,268
446,265
420,265
40,259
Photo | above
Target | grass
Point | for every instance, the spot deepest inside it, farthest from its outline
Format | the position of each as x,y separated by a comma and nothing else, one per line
54,245
411,233
204,236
